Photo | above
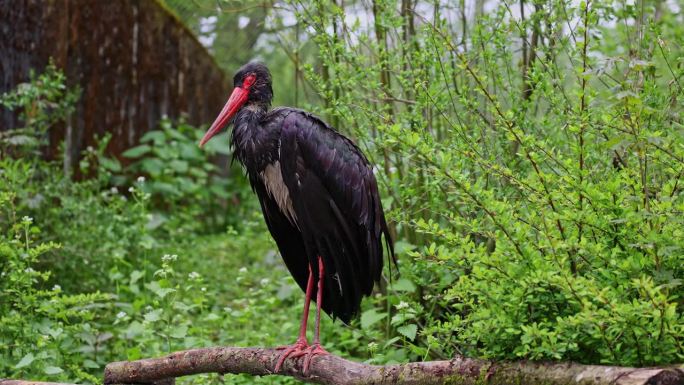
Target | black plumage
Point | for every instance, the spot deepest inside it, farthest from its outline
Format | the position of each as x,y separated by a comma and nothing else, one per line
334,196
317,191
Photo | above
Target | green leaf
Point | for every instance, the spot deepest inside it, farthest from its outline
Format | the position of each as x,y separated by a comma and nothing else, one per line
371,317
152,166
136,275
401,318
53,370
110,164
164,188
219,144
158,290
390,342
134,353
402,247
179,166
173,133
408,331
137,151
155,136
154,315
179,332
134,329
90,364
27,360
403,284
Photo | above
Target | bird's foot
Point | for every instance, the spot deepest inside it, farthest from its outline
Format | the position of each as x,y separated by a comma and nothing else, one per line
298,349
314,350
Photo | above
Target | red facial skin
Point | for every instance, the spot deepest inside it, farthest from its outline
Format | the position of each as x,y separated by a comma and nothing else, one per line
236,100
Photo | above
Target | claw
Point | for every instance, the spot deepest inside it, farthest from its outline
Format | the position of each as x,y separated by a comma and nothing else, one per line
313,350
295,350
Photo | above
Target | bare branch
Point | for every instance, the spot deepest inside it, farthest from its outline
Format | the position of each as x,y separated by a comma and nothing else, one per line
334,370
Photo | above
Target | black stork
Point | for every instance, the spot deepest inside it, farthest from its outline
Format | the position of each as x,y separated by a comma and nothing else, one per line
319,199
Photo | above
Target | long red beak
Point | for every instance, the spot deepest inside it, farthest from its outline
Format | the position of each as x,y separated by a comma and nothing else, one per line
236,100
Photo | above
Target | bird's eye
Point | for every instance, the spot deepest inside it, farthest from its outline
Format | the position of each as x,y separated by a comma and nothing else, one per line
249,80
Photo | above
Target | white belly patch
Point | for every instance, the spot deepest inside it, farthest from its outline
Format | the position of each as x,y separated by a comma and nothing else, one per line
276,188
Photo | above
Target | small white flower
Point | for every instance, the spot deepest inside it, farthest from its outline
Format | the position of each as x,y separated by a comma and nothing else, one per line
264,281
204,289
243,270
121,314
169,257
402,305
28,220
56,288
114,190
28,270
131,189
141,179
194,275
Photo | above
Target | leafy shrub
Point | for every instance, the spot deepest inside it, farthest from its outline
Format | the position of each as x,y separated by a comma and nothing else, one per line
98,227
43,329
88,276
42,101
534,173
92,285
184,182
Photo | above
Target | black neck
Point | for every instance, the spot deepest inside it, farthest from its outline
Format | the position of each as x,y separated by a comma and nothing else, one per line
247,134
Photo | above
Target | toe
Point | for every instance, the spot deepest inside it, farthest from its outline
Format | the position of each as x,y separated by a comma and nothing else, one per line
314,350
298,349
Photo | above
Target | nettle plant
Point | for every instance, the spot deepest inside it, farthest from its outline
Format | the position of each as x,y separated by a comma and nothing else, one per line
532,158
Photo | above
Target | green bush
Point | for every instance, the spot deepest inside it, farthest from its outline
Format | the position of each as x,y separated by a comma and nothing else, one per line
42,101
534,187
533,172
43,329
188,190
88,274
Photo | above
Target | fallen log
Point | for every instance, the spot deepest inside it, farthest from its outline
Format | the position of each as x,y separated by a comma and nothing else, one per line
334,370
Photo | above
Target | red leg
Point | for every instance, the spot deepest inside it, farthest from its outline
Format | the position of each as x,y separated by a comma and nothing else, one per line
315,348
300,347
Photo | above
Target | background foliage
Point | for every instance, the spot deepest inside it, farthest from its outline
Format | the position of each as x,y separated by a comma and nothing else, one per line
530,155
533,156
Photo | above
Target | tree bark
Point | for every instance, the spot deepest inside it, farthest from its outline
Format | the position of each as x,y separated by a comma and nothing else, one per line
333,370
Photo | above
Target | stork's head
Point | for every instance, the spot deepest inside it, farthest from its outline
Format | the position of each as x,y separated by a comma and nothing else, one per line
252,84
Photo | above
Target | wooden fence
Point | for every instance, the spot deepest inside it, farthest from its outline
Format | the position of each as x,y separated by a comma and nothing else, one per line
134,61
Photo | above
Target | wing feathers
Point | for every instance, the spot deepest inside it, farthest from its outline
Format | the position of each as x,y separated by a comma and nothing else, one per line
338,209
